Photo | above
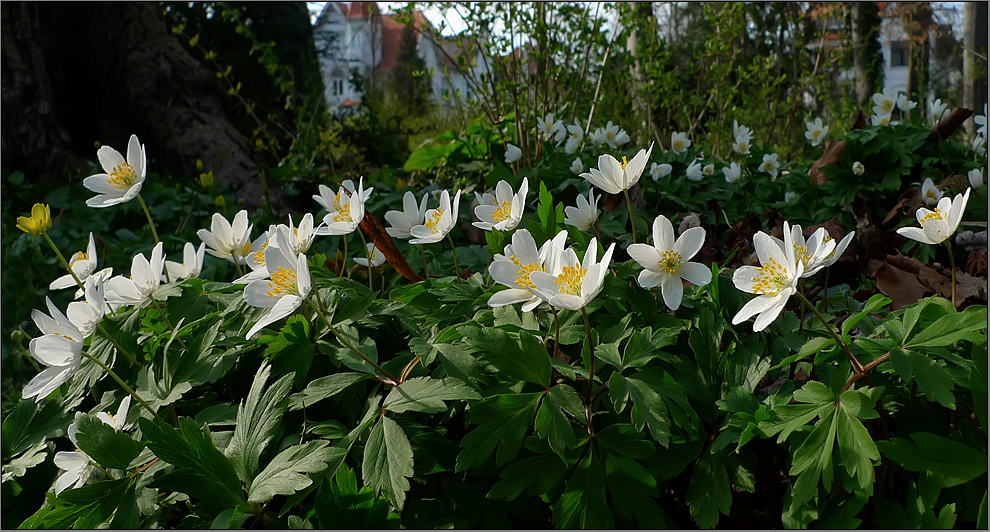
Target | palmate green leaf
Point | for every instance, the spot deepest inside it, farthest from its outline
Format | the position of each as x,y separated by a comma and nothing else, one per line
102,443
341,505
536,476
388,461
292,351
788,418
875,302
856,447
709,493
952,463
201,470
813,458
503,421
287,472
551,423
525,360
810,347
583,505
324,387
631,488
257,419
932,378
951,328
29,423
83,508
649,409
423,394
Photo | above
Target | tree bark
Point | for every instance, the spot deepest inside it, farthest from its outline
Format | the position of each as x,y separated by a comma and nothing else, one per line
74,74
865,30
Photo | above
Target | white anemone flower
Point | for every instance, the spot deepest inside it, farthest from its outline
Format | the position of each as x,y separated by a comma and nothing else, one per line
502,210
936,110
559,132
791,197
512,153
512,269
816,132
708,170
287,287
228,241
813,252
598,137
840,248
679,143
858,168
118,420
614,177
145,277
658,171
77,465
585,214
256,257
575,135
694,171
59,348
981,120
545,126
570,283
410,216
666,261
980,145
302,236
191,265
880,119
614,136
122,180
939,224
85,315
577,166
930,194
975,177
438,222
345,209
904,104
733,173
375,257
770,165
82,263
773,283
884,102
690,220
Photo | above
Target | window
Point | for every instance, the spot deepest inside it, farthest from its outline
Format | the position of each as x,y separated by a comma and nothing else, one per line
899,53
337,86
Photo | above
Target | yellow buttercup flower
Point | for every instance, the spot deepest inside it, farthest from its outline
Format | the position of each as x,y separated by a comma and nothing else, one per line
39,221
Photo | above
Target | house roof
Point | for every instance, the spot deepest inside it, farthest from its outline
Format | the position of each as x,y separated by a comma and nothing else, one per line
392,37
357,9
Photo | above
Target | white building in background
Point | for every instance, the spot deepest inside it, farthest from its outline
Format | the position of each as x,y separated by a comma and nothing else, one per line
358,37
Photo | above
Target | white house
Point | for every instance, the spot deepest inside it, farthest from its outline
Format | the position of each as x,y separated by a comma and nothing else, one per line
357,36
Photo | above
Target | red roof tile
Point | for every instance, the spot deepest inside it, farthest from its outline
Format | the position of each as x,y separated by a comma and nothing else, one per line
392,37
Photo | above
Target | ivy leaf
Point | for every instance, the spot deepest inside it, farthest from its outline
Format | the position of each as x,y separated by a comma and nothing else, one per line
423,394
102,443
583,505
287,472
502,422
201,470
257,419
324,387
952,463
388,461
709,493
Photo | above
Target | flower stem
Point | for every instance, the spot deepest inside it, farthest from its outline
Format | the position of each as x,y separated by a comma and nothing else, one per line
348,345
240,271
632,221
343,262
164,317
952,264
123,385
65,264
598,232
591,373
426,269
857,366
147,213
457,269
119,347
556,336
365,242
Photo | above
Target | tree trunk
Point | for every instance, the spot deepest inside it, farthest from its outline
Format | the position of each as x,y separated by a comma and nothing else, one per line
77,73
641,12
865,29
918,21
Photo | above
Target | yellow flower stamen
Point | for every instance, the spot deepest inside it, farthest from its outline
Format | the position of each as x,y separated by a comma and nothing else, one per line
624,162
678,145
934,215
259,256
817,134
570,280
609,135
670,262
522,277
78,256
245,250
770,279
431,224
801,254
336,201
503,211
123,176
283,283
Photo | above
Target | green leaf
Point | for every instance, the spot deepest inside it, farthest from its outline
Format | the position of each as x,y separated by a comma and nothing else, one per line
257,419
84,508
525,360
128,515
631,488
201,470
102,443
875,302
426,156
551,423
341,505
856,447
841,514
978,384
292,351
583,505
423,394
952,463
813,458
536,476
30,423
503,421
324,387
949,329
709,492
287,472
388,461
810,347
932,379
